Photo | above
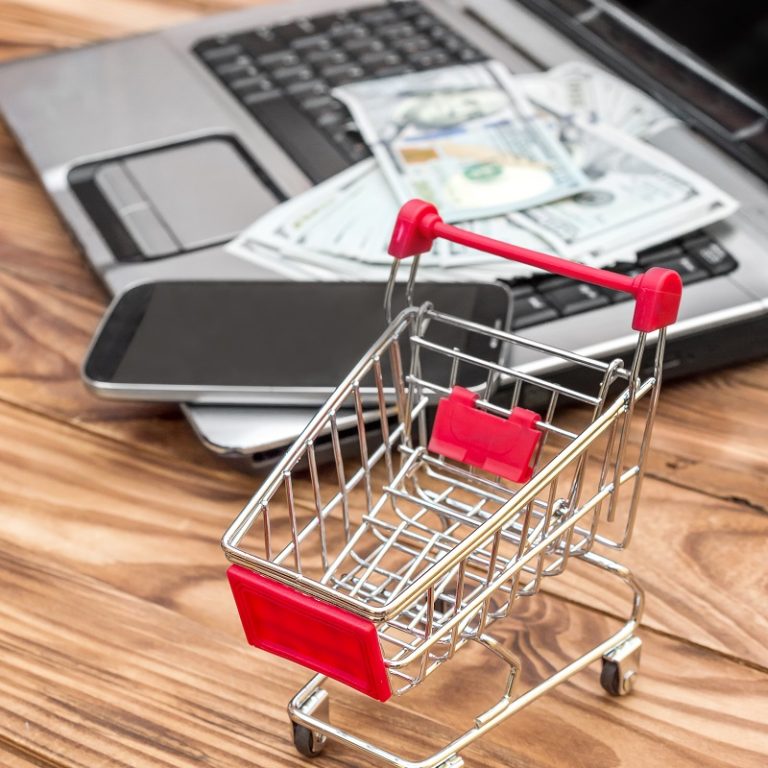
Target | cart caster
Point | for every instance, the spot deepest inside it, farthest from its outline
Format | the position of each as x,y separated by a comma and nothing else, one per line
620,667
307,742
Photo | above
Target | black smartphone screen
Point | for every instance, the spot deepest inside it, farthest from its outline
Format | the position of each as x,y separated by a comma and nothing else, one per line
261,334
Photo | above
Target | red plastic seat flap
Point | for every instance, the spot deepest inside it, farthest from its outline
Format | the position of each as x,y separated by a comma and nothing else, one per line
310,632
503,447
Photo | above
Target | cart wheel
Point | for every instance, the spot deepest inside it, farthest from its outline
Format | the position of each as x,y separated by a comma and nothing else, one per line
307,742
619,672
610,678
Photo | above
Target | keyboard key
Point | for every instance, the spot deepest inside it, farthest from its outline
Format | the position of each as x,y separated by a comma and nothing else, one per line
305,143
321,104
324,58
331,119
576,297
220,52
354,151
716,259
428,59
311,43
379,59
288,75
234,66
325,23
353,132
396,31
529,308
688,267
412,44
281,58
650,256
307,88
260,42
426,22
249,98
377,16
391,71
409,9
546,282
362,44
630,270
443,33
338,74
449,41
350,141
240,74
347,30
468,55
294,29
251,82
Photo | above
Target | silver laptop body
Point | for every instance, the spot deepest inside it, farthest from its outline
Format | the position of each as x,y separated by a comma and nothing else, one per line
208,167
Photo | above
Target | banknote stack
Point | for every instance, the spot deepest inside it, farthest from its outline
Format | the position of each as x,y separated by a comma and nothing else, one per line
557,162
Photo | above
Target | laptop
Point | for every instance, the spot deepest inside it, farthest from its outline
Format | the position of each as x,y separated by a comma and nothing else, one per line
222,118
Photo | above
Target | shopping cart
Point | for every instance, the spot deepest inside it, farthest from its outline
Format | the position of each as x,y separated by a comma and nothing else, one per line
381,566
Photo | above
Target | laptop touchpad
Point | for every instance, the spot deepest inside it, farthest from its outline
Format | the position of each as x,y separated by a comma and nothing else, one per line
184,197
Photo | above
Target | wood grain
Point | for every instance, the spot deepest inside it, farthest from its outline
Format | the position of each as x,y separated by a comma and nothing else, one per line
710,435
44,333
119,643
690,447
33,242
684,549
96,677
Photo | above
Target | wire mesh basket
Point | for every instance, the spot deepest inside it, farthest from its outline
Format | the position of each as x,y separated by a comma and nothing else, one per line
473,482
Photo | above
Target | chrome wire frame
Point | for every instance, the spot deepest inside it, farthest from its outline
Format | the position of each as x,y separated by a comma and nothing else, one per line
310,706
433,551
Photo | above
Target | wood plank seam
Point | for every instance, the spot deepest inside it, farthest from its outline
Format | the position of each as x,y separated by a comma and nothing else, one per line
30,757
739,501
179,464
651,630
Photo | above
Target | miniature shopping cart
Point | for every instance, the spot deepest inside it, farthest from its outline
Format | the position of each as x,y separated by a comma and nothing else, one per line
477,475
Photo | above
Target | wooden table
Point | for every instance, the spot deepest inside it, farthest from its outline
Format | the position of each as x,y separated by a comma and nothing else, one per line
119,643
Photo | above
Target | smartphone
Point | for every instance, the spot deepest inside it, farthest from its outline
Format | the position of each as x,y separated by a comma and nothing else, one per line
259,343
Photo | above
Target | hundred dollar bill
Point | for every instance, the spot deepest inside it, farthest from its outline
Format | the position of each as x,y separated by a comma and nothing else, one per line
637,197
588,94
464,138
341,229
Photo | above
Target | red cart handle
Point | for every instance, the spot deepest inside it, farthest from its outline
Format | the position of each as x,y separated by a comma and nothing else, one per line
657,292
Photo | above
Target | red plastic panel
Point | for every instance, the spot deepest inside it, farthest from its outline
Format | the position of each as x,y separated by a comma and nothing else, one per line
657,299
314,634
412,234
500,446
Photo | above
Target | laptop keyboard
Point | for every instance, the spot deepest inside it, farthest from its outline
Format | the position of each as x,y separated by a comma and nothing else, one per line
282,76
696,257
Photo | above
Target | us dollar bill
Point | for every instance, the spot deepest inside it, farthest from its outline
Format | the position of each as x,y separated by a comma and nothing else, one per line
464,138
341,228
638,196
588,94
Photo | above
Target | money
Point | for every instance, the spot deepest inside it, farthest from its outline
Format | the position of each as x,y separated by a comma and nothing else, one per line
464,138
340,229
638,196
587,94
632,196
